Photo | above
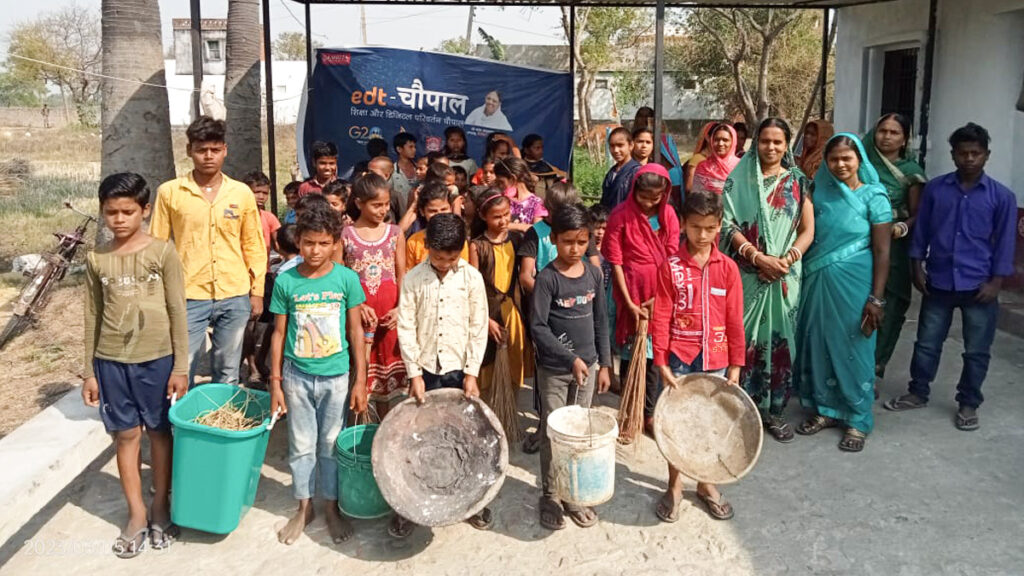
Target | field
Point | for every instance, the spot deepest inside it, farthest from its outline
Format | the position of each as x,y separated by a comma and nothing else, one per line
39,170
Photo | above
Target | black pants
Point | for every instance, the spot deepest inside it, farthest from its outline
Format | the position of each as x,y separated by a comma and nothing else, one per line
453,379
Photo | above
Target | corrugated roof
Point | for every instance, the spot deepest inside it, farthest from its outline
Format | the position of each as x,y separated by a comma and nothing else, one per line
819,4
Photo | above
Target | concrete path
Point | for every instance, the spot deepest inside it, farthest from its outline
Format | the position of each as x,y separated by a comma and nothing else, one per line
923,498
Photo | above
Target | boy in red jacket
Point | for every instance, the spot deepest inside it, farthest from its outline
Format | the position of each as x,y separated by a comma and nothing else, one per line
698,325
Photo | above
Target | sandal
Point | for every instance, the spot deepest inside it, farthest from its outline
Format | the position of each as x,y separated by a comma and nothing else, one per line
905,402
853,440
131,546
778,428
482,520
552,516
162,536
815,424
531,444
400,527
582,516
667,509
718,509
967,419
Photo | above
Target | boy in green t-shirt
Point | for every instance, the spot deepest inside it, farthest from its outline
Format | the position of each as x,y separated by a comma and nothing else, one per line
136,352
317,308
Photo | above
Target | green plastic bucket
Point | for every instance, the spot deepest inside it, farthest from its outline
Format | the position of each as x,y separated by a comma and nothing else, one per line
216,471
358,494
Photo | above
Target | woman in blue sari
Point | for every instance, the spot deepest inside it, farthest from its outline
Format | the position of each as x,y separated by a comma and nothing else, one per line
845,272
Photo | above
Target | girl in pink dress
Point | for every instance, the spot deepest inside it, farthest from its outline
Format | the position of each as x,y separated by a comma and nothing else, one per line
375,250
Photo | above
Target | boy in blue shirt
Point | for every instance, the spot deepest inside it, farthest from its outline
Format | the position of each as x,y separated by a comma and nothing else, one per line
961,249
317,305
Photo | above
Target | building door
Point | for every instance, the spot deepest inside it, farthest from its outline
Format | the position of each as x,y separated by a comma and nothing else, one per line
899,82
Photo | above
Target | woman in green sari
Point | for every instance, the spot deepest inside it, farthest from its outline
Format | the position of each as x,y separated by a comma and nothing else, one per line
768,225
844,280
903,180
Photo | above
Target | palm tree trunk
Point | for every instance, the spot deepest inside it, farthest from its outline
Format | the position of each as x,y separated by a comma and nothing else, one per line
135,119
242,89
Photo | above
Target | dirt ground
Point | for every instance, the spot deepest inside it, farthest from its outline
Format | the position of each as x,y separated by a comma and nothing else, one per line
45,361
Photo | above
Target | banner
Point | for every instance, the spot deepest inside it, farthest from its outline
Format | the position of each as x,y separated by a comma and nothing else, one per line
363,93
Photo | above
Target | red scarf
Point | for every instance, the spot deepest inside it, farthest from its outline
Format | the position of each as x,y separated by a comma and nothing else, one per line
712,172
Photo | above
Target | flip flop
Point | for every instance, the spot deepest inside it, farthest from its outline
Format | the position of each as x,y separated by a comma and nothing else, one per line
552,516
531,444
131,546
967,423
666,503
161,537
577,515
905,402
482,520
400,527
853,440
815,424
720,509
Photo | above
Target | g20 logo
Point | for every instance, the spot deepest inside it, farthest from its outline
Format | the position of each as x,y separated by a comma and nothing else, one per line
359,132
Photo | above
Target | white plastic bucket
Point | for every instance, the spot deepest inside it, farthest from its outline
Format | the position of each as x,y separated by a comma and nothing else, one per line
583,454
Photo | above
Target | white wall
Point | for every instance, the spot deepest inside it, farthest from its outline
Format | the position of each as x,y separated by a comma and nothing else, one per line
289,81
979,64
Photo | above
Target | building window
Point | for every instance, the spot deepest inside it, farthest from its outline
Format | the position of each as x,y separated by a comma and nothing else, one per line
601,84
899,81
689,84
213,51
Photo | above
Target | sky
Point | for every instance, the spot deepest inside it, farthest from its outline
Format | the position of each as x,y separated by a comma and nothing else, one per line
415,27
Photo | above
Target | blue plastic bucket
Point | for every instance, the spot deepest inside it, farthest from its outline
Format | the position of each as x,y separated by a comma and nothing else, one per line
583,454
216,472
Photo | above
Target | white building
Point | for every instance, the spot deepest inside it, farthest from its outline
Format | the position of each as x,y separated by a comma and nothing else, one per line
977,74
289,82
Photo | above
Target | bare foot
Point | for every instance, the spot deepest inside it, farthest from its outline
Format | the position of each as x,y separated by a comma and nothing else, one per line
337,525
293,529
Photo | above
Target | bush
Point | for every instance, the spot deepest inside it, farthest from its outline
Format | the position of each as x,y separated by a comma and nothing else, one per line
588,175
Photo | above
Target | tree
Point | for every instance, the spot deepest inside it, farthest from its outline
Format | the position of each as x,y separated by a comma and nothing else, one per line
62,49
454,46
292,46
15,91
135,121
493,44
602,36
242,88
756,62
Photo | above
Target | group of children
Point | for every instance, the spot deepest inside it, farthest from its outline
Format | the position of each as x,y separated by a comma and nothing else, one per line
411,278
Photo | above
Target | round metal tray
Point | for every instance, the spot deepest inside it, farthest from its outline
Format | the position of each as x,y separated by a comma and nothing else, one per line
440,462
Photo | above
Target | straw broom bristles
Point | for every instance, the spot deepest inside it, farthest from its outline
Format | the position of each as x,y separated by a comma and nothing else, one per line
631,407
502,396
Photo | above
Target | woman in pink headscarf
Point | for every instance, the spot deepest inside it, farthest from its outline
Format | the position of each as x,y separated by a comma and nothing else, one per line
642,232
710,174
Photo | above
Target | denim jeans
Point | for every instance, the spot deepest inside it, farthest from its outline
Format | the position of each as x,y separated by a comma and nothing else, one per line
228,318
979,329
558,390
453,379
316,407
695,367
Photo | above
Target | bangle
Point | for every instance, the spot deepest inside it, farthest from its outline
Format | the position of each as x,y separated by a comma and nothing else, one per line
796,253
879,302
754,259
901,229
274,378
742,248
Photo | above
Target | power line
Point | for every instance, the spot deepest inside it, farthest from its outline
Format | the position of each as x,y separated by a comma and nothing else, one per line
514,29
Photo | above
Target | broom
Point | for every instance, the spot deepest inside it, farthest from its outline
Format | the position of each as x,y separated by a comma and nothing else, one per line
502,396
631,407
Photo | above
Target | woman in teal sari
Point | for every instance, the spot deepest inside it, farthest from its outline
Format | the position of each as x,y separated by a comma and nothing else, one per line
903,180
768,225
844,280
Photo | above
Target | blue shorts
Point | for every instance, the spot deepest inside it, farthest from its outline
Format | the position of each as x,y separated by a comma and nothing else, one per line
132,395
